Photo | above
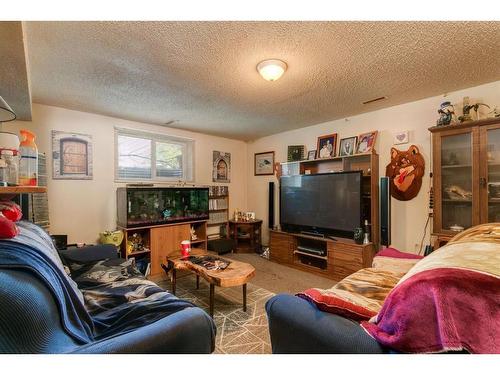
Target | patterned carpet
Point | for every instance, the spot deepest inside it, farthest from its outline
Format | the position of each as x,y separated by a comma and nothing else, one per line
238,332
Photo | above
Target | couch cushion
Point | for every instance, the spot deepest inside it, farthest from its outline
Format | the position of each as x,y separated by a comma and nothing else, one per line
448,301
359,296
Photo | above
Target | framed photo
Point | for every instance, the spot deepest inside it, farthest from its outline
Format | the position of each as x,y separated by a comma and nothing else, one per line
311,155
221,166
296,153
347,146
327,144
264,163
366,141
71,156
402,137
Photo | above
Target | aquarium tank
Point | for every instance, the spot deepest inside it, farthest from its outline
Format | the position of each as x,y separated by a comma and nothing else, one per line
143,206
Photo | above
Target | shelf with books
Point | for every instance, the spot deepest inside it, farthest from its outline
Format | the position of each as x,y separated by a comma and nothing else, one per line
218,207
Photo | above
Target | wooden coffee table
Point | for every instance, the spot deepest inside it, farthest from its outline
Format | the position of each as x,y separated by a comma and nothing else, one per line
237,273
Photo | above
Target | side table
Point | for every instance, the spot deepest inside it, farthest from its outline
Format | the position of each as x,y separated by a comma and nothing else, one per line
247,235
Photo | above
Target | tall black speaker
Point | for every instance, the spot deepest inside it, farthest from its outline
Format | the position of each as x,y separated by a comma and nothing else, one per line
385,211
270,219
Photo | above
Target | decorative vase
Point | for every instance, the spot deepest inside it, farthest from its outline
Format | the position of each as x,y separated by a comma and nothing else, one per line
358,235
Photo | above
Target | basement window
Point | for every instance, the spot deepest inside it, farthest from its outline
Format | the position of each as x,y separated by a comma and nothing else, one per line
142,156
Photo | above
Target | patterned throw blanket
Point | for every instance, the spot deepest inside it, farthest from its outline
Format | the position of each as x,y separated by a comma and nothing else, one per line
449,301
358,296
116,295
119,298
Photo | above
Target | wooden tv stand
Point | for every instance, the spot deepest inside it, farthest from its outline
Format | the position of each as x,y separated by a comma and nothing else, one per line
341,258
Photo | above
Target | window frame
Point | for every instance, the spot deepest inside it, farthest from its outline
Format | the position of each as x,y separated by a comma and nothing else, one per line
188,149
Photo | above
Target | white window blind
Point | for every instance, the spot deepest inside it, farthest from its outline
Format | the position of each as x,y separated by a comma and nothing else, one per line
148,156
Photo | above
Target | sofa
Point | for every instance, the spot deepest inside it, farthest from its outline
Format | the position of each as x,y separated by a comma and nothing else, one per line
103,305
428,306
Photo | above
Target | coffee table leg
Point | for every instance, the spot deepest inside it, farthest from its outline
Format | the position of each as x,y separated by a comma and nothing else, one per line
197,282
245,297
174,280
212,292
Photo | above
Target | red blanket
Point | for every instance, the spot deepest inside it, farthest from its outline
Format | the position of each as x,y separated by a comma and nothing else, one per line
450,300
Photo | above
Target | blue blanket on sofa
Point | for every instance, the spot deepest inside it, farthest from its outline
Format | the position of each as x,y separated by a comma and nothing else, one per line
109,296
74,318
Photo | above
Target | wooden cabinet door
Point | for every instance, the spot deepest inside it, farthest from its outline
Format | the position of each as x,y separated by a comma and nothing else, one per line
489,179
166,241
346,259
456,179
280,247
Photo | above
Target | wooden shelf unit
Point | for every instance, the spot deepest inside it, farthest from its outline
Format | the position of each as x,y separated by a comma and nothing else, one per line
247,235
218,208
466,156
13,190
163,241
341,258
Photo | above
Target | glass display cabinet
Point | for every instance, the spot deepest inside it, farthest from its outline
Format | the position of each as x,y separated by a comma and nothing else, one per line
466,176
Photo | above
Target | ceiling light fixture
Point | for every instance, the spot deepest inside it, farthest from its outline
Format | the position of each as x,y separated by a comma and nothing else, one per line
6,113
271,70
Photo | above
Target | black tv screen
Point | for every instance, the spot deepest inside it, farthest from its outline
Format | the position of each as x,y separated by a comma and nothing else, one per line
325,203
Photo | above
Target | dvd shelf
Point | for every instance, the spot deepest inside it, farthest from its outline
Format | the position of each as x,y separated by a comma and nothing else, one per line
218,205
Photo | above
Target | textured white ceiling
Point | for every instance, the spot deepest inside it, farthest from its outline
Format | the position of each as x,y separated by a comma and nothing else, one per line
14,80
203,75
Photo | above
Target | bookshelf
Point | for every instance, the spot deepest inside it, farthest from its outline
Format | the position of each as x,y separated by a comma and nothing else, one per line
218,206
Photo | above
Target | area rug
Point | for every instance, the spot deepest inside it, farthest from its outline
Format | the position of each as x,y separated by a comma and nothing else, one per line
238,332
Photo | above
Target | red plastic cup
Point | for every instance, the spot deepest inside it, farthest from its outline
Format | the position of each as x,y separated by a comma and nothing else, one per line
185,248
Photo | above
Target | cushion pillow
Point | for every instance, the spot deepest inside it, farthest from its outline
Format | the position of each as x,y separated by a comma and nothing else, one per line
390,259
358,296
394,253
9,213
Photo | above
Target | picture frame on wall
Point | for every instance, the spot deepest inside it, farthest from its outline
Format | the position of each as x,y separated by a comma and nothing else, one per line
72,156
311,155
401,137
221,166
366,142
348,146
264,163
327,145
296,152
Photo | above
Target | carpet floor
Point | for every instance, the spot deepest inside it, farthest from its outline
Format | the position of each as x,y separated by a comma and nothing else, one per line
240,332
281,279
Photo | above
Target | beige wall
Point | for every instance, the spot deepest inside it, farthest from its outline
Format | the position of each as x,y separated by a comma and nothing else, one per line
408,218
84,208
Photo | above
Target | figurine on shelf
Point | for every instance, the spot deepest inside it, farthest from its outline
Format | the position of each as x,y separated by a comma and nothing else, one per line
194,237
446,113
135,243
466,116
457,193
476,106
494,113
465,111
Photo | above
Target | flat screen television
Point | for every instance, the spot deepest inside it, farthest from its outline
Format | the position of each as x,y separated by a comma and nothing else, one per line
327,204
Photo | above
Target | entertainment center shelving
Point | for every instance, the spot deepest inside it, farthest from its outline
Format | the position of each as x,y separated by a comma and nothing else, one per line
342,256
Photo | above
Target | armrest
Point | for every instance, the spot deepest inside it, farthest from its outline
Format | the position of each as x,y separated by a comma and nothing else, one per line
89,253
189,331
297,326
